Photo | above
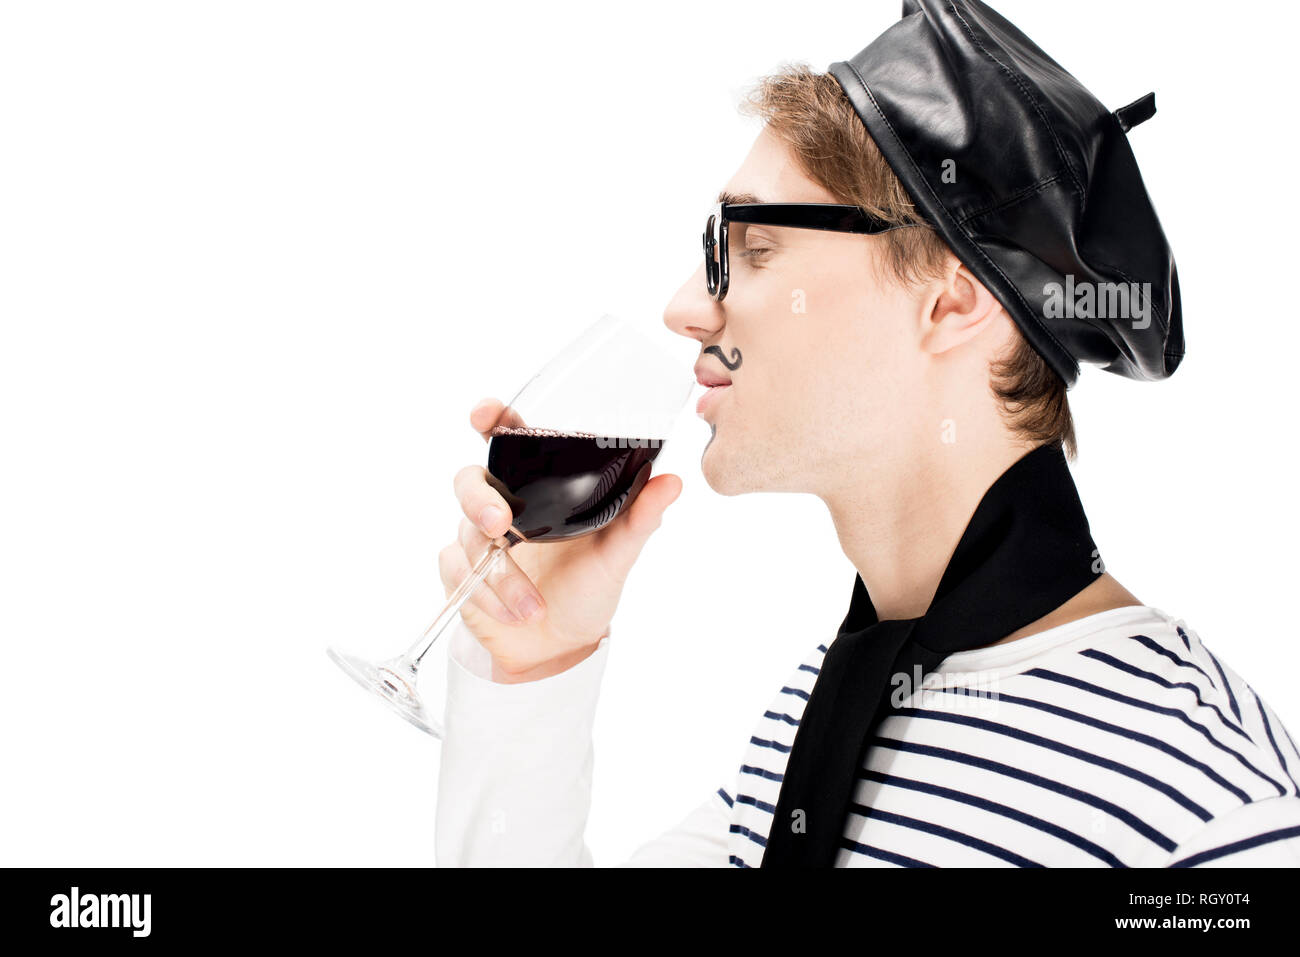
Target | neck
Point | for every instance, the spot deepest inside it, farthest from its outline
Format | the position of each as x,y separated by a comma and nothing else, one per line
900,529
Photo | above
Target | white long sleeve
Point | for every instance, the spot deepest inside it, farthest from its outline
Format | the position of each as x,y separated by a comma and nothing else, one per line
514,787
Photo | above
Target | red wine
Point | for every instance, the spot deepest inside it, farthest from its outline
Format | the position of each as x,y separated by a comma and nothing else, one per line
564,484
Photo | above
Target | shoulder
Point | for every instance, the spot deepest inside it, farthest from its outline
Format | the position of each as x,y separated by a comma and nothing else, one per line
1175,710
1178,680
1129,729
1159,673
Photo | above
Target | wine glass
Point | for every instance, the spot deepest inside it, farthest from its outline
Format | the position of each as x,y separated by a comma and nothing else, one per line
568,453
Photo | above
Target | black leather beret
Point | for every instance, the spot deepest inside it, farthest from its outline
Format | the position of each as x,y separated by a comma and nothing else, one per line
1029,179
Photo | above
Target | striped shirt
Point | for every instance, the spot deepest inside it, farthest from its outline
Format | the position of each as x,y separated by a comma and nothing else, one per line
1118,740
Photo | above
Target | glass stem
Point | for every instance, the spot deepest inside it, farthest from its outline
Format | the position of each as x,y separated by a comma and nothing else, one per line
495,552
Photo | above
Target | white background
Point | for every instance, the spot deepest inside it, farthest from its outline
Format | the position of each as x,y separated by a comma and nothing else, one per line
258,260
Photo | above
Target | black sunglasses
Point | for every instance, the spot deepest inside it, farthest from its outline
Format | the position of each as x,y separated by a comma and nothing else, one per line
830,216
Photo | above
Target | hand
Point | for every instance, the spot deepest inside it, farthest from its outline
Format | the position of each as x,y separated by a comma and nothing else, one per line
574,584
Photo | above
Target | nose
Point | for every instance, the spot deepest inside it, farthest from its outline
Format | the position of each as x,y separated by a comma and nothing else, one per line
692,312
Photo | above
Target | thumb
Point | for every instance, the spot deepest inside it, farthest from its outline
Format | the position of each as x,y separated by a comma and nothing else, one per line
630,532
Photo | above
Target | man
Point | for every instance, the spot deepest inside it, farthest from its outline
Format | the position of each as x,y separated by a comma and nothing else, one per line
900,282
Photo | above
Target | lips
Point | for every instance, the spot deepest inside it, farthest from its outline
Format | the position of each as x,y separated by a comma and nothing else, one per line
715,382
707,377
717,386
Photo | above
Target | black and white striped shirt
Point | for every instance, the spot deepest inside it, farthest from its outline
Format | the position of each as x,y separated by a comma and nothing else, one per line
1118,740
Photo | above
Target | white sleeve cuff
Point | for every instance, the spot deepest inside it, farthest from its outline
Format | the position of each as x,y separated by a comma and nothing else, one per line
514,787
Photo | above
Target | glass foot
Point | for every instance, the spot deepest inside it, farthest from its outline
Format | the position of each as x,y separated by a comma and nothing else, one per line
393,682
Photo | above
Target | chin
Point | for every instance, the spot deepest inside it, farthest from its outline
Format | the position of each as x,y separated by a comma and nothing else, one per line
728,473
723,483
718,471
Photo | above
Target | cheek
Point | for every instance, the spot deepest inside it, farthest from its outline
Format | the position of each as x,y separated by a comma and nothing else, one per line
817,345
841,374
795,383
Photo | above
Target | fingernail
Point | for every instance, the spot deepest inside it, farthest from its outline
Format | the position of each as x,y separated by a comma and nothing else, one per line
490,517
528,607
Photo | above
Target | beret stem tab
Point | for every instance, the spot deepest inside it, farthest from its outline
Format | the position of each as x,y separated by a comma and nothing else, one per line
1139,111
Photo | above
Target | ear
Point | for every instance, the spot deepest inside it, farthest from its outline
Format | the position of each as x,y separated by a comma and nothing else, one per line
958,308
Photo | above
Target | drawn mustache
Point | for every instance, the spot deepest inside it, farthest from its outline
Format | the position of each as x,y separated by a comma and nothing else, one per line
734,364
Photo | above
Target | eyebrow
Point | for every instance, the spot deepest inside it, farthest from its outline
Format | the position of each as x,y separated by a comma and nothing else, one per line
738,199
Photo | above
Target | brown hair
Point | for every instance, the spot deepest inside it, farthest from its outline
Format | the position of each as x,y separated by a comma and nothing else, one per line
809,112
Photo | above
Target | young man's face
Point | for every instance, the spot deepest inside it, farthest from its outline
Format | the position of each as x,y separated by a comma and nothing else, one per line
830,370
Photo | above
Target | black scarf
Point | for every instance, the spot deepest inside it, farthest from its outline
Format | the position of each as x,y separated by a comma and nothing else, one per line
1026,551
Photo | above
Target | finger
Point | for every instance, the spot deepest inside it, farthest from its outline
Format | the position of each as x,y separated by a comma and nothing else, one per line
510,583
454,567
482,504
490,413
625,537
